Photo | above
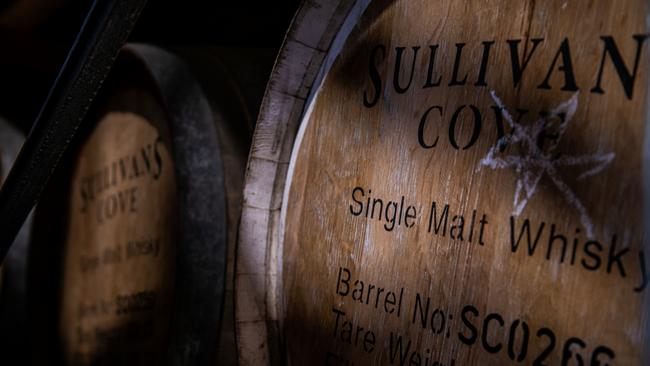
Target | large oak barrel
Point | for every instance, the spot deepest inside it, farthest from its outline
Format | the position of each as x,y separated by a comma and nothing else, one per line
128,260
450,183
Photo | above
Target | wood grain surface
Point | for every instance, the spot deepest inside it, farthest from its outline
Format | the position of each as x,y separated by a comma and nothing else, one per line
466,188
119,255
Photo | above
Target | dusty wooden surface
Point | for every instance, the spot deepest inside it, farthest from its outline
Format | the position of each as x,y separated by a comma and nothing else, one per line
335,280
306,45
151,119
119,256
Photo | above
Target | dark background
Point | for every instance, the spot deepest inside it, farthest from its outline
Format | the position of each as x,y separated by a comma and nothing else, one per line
36,35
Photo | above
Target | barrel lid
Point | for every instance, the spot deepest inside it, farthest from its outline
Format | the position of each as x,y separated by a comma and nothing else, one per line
456,184
200,254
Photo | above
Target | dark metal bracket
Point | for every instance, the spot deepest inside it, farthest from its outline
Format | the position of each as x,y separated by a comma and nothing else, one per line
104,31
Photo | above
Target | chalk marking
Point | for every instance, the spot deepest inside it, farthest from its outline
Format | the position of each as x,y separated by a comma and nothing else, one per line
533,162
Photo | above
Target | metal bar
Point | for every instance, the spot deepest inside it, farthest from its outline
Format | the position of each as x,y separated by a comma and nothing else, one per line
104,31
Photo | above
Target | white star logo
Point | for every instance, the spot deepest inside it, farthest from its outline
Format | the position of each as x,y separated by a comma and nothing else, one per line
533,161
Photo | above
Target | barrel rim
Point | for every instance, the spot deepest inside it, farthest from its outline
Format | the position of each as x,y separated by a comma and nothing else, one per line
314,38
200,289
282,114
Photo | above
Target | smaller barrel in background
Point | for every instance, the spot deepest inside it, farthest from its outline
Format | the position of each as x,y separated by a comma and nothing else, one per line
119,261
128,263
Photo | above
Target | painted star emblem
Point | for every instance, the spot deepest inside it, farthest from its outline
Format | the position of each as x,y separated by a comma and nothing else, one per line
533,161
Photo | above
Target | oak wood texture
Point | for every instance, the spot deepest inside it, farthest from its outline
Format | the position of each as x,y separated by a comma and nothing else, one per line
305,48
120,252
302,227
139,214
227,95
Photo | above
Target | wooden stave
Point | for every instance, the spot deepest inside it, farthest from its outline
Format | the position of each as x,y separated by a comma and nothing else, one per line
301,64
232,98
197,304
234,142
228,93
195,141
309,48
28,14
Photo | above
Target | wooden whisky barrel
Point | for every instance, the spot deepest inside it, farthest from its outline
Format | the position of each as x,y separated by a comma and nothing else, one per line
129,252
449,183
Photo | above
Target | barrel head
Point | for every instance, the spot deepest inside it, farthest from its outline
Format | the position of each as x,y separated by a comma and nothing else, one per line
467,187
